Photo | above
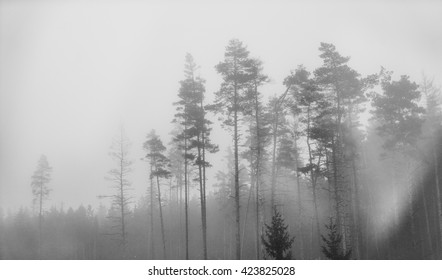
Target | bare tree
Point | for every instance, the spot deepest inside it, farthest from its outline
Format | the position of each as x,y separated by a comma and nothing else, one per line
121,198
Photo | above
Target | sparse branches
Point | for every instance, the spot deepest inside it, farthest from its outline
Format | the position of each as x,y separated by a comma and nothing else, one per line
120,183
40,192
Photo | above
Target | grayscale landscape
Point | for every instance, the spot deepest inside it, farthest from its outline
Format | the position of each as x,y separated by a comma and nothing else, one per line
220,130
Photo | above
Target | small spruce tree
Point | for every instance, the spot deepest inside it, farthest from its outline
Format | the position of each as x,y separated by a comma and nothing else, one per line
278,238
332,249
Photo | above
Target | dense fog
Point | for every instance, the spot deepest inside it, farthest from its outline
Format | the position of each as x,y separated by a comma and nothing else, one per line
133,131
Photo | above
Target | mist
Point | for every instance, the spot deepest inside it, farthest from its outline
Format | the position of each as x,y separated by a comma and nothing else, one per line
78,77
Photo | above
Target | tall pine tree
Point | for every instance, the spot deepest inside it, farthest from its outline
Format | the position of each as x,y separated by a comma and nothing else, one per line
236,71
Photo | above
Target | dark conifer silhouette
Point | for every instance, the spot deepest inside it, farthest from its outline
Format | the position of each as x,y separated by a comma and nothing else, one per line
332,249
278,242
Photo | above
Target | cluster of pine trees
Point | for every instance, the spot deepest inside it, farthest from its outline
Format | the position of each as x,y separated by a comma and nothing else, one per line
301,165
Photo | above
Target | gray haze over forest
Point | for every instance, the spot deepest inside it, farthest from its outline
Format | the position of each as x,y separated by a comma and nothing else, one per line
72,71
316,126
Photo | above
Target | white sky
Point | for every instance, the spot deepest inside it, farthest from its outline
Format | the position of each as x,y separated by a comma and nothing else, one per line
72,71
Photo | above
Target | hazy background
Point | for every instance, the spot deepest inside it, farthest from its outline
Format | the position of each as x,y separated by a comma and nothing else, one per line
72,71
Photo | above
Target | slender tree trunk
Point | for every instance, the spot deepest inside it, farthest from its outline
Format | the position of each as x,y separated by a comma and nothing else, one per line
313,178
122,204
204,212
152,244
186,195
312,239
163,237
273,186
276,109
257,226
237,205
224,238
172,237
395,204
299,200
355,208
202,199
438,197
245,218
257,172
411,211
337,196
202,173
357,235
179,207
40,223
427,226
337,146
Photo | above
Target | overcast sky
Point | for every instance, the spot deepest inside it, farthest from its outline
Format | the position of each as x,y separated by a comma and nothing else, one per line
72,71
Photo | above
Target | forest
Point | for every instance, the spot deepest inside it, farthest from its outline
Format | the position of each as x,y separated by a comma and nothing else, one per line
337,166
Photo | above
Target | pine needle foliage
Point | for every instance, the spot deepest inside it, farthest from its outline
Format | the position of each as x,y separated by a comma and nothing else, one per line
332,248
277,241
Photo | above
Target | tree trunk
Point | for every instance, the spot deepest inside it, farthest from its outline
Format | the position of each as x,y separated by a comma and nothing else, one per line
438,202
395,204
298,187
202,199
273,183
179,206
163,237
257,226
152,246
257,172
427,227
40,223
245,218
337,195
357,235
237,205
313,178
204,209
186,195
122,204
411,210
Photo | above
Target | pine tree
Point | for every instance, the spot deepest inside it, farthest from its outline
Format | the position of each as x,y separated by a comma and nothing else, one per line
276,112
311,105
332,248
398,112
236,70
344,90
160,166
195,134
40,192
278,244
259,132
400,118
